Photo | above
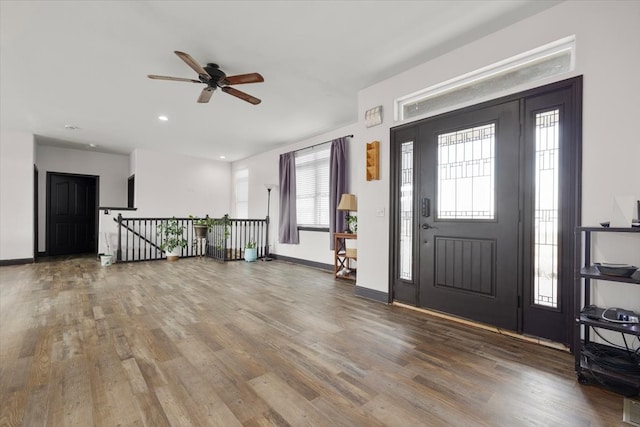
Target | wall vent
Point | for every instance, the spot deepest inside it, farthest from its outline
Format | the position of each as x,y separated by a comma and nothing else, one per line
631,412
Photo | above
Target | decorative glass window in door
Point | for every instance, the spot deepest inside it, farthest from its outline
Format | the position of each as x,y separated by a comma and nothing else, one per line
466,174
406,212
545,277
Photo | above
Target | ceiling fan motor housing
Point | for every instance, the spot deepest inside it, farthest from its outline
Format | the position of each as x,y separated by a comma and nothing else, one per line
215,72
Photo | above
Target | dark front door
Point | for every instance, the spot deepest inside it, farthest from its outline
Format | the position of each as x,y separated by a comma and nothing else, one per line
469,215
485,201
71,214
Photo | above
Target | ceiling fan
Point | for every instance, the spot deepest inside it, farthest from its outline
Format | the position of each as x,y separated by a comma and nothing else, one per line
214,78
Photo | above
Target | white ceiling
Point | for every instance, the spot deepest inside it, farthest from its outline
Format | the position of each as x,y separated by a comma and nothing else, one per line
85,64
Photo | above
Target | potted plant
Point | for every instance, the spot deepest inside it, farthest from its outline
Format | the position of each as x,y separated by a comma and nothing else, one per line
352,224
221,234
171,235
107,257
251,251
201,226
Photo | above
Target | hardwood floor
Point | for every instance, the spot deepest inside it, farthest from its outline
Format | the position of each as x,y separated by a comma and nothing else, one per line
198,343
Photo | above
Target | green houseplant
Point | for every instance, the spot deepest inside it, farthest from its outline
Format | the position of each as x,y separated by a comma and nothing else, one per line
172,239
352,224
202,226
226,231
251,251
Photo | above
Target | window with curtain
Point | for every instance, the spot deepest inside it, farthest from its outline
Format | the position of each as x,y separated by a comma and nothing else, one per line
312,186
242,193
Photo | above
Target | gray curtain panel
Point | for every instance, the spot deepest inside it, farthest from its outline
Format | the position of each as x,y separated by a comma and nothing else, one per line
337,186
288,222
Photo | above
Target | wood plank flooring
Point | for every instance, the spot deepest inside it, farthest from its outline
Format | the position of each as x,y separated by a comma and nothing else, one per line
199,343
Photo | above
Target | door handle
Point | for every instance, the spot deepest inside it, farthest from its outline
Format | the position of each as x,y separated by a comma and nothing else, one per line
426,226
426,207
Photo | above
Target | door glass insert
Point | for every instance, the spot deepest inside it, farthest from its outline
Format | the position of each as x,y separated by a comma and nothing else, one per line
406,211
466,169
545,277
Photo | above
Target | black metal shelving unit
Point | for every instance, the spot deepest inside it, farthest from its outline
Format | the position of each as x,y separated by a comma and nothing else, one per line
585,350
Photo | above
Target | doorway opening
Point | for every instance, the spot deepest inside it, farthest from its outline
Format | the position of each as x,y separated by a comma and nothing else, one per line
484,202
72,205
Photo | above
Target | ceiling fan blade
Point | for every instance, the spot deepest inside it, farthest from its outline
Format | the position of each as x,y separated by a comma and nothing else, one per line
239,94
242,79
177,79
193,64
205,95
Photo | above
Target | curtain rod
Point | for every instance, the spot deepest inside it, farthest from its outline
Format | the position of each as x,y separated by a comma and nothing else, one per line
320,143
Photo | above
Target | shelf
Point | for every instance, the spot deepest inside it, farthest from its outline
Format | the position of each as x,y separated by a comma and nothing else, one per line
373,161
627,328
626,378
343,256
610,229
593,273
350,276
597,363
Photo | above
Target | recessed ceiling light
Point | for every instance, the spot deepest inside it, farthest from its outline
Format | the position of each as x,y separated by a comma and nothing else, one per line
92,145
71,127
163,118
222,157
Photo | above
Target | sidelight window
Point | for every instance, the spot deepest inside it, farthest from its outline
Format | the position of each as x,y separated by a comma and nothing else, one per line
547,139
406,211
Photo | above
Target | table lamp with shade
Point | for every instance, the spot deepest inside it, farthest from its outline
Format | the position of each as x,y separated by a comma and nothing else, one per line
348,203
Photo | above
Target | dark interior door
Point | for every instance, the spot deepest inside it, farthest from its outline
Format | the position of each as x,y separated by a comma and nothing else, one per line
468,223
71,226
131,191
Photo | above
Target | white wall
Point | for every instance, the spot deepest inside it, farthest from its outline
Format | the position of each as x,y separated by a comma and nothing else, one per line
607,54
263,169
16,195
171,185
176,185
113,170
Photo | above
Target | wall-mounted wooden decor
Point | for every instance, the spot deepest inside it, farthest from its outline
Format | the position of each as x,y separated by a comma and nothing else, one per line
373,160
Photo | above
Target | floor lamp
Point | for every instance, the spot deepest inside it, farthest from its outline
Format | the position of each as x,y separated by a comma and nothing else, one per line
269,187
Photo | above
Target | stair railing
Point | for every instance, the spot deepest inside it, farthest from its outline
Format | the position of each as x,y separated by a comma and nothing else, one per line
138,239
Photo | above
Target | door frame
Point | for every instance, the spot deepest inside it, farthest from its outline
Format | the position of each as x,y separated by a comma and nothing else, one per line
572,211
96,179
36,178
569,208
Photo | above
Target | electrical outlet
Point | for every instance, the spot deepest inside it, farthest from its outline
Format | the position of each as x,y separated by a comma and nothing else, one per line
380,212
